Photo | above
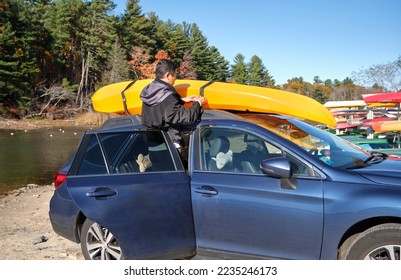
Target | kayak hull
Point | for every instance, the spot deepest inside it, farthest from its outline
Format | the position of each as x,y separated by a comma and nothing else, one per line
387,126
388,97
221,96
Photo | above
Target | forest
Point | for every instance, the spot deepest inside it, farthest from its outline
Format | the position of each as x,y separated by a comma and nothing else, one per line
54,54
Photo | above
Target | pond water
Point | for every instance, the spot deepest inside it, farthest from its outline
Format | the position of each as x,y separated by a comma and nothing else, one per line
33,156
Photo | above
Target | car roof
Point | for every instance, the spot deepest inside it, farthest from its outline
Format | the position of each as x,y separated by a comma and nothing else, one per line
132,120
121,122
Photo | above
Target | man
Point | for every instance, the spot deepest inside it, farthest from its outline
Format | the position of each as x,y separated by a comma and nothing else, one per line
162,106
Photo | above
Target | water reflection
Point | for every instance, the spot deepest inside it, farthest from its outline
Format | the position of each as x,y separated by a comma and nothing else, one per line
33,156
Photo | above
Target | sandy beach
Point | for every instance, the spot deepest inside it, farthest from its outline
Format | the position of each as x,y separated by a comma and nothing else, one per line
26,231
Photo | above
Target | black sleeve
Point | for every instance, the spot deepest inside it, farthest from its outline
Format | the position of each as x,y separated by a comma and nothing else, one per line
175,113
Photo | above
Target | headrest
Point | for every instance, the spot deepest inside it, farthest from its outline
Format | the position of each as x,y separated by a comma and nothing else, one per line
250,138
219,144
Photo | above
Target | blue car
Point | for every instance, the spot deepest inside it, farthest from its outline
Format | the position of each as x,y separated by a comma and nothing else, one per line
245,186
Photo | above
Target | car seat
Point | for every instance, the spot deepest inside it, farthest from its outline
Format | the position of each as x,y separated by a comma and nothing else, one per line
252,156
221,157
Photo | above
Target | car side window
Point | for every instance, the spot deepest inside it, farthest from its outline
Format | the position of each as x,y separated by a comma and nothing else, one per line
299,168
233,150
145,152
93,161
126,152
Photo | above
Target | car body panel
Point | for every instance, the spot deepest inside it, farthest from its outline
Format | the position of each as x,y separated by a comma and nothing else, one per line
255,216
149,220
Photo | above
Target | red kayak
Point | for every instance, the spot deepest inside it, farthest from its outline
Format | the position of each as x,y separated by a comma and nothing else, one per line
375,120
386,97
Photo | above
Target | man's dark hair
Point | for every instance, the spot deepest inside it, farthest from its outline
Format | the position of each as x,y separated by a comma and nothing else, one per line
165,66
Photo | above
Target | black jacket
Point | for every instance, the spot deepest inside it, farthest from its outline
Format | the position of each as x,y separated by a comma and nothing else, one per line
162,108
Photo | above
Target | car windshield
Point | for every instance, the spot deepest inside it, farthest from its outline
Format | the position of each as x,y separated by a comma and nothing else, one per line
326,146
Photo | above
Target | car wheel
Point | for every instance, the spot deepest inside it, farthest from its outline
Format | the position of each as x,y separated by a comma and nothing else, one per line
382,242
98,243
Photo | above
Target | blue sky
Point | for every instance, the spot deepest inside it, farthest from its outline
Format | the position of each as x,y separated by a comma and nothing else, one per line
309,38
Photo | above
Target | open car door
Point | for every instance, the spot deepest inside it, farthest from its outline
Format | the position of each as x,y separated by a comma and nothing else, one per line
148,210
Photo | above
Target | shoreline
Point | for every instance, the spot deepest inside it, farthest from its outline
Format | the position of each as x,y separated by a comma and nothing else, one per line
85,119
34,124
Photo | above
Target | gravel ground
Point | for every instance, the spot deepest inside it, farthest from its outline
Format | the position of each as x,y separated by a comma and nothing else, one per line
26,231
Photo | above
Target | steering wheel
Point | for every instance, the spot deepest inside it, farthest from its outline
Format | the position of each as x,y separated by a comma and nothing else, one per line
314,152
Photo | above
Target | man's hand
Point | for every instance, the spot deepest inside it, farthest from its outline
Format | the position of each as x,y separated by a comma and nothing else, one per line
191,98
201,99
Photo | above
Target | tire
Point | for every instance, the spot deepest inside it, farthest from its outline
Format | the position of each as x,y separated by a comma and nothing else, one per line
382,242
98,243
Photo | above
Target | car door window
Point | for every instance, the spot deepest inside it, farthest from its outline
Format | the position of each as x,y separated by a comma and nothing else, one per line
145,152
94,160
233,150
126,152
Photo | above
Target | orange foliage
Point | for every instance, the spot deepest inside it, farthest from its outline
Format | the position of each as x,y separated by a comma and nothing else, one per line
326,89
140,62
162,55
297,87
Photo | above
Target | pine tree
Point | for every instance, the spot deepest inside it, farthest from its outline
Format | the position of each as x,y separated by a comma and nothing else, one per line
117,68
258,75
199,51
218,68
319,95
239,70
17,57
134,29
97,38
63,21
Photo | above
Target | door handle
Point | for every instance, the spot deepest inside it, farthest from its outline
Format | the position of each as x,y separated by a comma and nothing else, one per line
101,192
206,191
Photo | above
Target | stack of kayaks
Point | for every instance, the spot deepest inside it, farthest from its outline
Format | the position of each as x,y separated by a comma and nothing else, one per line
389,99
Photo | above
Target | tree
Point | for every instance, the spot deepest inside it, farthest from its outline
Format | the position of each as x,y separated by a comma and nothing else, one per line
202,61
344,92
62,20
40,37
386,76
239,70
217,66
134,29
257,73
337,83
17,57
348,82
186,70
170,37
140,64
117,67
329,83
317,80
320,93
96,39
295,80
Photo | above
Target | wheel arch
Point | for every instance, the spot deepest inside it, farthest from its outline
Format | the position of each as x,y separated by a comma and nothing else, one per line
79,223
363,225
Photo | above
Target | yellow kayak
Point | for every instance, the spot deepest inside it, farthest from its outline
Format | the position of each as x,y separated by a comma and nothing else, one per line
124,97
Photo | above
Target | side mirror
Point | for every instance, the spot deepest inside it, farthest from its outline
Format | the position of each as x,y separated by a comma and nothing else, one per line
277,167
280,167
